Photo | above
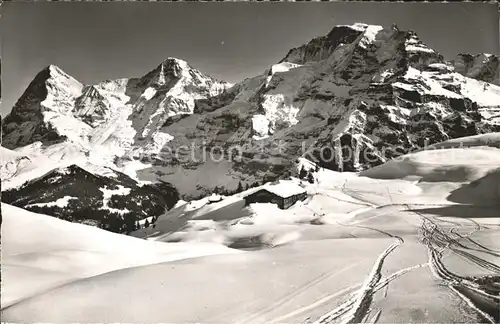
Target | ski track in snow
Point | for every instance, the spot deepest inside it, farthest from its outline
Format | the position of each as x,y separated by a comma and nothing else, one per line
357,307
348,306
433,236
289,297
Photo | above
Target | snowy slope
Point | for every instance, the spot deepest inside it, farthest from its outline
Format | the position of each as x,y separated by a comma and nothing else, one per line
434,177
356,241
489,139
13,163
41,160
40,252
451,164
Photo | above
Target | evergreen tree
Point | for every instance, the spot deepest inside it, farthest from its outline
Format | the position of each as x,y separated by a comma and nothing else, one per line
129,222
113,224
167,190
310,177
240,187
302,173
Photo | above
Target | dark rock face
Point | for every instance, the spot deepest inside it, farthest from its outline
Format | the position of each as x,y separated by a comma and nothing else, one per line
346,153
214,102
169,70
322,47
375,136
91,106
118,212
25,124
479,66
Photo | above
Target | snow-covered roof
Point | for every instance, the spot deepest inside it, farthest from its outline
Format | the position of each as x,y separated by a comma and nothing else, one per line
215,198
284,189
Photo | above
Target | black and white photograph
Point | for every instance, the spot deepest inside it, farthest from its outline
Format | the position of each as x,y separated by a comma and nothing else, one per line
250,162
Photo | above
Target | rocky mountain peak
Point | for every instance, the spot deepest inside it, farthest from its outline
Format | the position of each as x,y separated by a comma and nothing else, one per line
60,81
363,44
174,66
55,103
166,73
51,94
321,48
171,68
49,79
344,34
55,71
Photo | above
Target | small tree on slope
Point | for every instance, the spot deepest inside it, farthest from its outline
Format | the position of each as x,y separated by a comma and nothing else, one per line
302,173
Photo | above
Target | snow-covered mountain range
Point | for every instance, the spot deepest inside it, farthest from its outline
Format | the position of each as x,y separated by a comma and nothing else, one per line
356,91
411,239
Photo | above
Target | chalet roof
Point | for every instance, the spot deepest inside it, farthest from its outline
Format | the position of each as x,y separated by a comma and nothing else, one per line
284,189
215,198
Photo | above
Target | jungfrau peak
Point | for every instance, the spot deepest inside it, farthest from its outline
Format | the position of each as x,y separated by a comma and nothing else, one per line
165,74
321,47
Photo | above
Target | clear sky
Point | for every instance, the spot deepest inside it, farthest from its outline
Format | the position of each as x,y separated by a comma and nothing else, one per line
95,41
